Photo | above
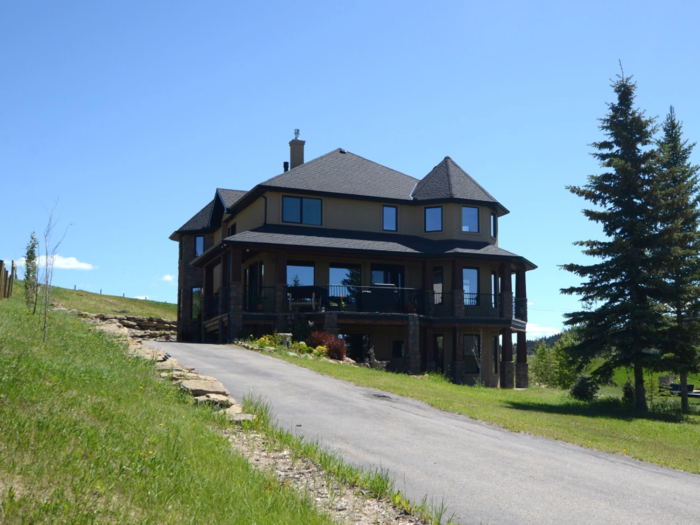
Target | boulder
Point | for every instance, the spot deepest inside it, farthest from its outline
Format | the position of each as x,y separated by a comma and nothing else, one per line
129,324
168,364
234,409
216,400
240,418
198,387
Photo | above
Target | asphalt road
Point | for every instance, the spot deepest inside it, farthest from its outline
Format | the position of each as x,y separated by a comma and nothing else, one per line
484,474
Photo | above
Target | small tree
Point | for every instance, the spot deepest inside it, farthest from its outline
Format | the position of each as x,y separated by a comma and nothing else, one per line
553,366
31,277
50,251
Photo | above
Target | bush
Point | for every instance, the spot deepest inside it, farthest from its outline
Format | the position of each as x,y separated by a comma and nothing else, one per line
585,388
553,366
628,395
335,346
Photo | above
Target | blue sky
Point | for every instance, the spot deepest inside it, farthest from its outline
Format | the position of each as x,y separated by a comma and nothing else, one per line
132,113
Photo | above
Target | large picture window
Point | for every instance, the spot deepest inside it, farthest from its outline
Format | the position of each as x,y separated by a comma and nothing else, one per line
301,210
390,218
300,273
470,285
433,219
470,219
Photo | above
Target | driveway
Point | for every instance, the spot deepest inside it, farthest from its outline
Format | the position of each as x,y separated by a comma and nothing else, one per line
484,474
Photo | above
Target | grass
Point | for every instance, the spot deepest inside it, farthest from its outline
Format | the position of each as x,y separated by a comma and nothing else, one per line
106,304
88,436
663,436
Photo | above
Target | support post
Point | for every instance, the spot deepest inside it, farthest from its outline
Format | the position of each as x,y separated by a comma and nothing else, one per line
507,359
521,369
430,350
235,310
281,283
412,363
458,358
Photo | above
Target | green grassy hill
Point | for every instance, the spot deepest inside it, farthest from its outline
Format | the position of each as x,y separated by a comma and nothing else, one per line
106,304
88,435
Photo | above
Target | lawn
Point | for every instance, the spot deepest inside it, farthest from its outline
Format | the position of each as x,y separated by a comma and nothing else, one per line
664,436
106,304
88,436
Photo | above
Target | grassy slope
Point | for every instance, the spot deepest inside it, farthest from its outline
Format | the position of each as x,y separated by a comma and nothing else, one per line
106,304
88,436
668,440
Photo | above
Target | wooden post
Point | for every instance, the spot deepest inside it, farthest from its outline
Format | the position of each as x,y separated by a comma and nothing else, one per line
2,280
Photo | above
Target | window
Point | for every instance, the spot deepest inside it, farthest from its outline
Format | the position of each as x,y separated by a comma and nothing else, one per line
470,285
300,273
470,219
198,246
301,210
397,349
389,218
345,274
196,303
494,225
495,354
433,219
494,289
232,230
472,353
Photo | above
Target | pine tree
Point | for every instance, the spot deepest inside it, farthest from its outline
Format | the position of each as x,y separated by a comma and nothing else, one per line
31,277
620,321
679,224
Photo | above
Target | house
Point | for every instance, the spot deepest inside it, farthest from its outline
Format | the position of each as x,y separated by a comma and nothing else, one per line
409,267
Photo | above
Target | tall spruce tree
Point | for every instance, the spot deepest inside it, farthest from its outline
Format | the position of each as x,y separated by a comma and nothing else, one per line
621,320
679,227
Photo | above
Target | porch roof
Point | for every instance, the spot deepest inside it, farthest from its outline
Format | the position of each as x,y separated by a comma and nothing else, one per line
323,239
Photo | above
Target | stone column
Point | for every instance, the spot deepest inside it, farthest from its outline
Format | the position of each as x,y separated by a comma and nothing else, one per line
507,359
521,369
430,350
458,357
235,311
330,323
412,361
521,295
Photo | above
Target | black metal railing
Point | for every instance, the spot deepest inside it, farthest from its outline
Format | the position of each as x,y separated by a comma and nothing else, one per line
520,308
260,300
210,306
481,305
439,304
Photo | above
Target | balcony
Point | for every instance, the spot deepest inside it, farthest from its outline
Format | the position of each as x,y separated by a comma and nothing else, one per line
383,300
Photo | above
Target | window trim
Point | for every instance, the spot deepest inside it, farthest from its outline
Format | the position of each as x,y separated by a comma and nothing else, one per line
301,210
478,219
425,219
396,218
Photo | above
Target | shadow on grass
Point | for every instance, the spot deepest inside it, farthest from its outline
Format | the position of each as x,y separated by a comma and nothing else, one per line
606,408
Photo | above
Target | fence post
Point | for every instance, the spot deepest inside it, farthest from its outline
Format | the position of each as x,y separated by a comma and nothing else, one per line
2,280
13,276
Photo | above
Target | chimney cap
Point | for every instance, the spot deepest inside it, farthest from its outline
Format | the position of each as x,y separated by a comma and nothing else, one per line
296,134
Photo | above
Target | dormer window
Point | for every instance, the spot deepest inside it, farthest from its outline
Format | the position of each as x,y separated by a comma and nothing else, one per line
301,210
470,219
433,219
389,218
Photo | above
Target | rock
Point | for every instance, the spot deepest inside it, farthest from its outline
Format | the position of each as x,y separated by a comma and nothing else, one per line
129,324
168,364
215,399
100,316
108,316
161,326
199,388
234,409
240,418
114,329
147,324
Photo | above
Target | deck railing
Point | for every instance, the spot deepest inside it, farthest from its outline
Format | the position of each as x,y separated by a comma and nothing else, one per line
260,300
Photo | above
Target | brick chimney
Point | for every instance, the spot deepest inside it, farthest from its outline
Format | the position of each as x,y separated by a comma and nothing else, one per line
296,151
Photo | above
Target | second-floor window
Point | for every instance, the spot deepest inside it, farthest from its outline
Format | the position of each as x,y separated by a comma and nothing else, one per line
389,218
494,225
433,219
301,210
470,219
232,230
198,246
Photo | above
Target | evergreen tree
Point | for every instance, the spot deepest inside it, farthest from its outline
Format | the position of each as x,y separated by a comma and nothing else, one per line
621,320
31,276
679,224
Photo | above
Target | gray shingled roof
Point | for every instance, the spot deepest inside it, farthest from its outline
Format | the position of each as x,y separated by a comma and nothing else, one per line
350,240
448,181
230,197
200,220
347,174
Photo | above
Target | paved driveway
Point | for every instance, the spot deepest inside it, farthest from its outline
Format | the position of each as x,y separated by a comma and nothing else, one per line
484,474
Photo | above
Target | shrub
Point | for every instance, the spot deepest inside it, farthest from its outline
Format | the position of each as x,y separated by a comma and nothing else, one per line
553,366
584,389
335,347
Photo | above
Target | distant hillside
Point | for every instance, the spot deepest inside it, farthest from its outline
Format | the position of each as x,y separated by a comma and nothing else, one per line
548,341
95,303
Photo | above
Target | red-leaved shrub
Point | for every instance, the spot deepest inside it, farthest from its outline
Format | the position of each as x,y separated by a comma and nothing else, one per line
336,347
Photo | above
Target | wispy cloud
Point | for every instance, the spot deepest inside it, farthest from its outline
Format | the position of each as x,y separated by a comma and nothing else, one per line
167,278
534,330
61,263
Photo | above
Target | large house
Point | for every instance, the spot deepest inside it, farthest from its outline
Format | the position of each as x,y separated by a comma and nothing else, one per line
409,267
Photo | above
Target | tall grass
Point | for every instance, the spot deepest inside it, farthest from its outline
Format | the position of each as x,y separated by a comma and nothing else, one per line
88,435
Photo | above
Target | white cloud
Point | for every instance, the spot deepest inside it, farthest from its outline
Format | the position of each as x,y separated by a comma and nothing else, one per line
534,331
61,263
167,278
